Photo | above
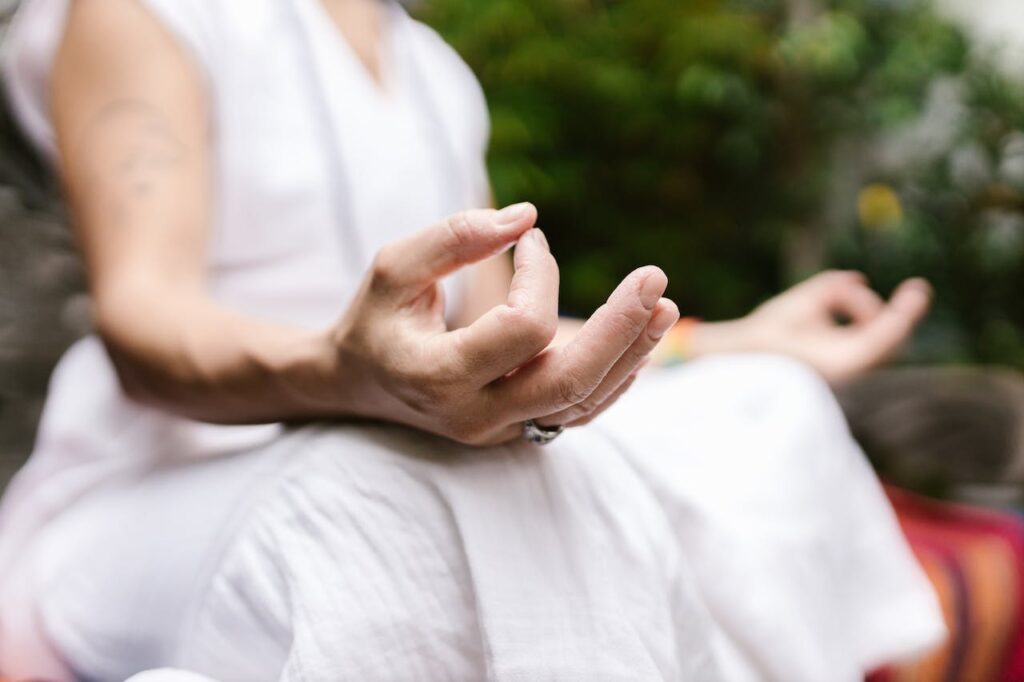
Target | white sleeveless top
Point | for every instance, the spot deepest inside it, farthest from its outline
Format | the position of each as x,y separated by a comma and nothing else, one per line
301,206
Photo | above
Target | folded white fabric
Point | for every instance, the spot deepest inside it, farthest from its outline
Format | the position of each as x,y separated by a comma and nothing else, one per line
168,675
795,549
719,524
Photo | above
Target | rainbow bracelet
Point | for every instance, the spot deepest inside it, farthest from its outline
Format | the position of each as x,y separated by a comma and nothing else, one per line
676,347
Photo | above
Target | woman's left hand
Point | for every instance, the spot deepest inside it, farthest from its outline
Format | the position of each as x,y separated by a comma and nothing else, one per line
802,322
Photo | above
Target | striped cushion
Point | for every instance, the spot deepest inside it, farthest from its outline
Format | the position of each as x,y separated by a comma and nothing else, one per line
975,558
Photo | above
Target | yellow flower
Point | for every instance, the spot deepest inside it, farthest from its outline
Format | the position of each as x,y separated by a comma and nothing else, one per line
879,207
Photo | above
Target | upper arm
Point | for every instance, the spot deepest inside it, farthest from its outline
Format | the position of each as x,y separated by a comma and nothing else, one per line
131,117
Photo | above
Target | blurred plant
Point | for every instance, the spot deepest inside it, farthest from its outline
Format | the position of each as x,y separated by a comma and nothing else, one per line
879,208
742,143
962,195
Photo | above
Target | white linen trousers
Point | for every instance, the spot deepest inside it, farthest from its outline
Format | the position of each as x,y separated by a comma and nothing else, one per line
718,523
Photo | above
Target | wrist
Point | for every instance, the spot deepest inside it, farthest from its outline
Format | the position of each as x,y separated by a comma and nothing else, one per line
311,373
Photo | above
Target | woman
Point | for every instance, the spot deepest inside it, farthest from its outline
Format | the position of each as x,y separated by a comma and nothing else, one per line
248,178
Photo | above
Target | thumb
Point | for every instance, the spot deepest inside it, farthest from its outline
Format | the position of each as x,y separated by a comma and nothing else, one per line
462,239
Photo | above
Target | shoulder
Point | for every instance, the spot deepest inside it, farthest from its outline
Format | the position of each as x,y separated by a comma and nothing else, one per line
452,79
95,32
121,47
443,54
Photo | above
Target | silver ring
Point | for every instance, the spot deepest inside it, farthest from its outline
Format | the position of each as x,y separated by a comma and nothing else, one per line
541,435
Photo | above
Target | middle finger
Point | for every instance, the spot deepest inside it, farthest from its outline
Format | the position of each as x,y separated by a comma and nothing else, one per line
560,378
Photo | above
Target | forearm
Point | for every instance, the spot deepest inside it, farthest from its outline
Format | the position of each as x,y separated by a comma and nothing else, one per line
708,338
192,357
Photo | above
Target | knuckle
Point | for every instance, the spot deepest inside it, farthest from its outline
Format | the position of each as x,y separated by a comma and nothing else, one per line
529,326
626,325
460,231
385,267
572,389
583,420
463,364
583,407
575,413
642,348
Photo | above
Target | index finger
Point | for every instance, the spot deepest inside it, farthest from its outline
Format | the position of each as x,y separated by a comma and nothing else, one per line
461,239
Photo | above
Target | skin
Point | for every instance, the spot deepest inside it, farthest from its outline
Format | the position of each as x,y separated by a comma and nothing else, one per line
132,124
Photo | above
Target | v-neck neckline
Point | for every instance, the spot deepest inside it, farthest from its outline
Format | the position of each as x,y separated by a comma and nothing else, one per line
384,86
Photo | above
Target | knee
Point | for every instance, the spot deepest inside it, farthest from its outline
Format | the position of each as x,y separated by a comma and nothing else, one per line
797,428
790,377
790,392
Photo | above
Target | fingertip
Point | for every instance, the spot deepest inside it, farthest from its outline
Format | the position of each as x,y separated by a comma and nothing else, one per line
516,218
653,284
914,297
531,244
916,287
541,238
666,306
666,314
531,213
652,271
920,284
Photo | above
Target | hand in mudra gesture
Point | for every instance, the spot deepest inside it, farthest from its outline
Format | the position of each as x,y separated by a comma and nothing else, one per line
802,322
399,362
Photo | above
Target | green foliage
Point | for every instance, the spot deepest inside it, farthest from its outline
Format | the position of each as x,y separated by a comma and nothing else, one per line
963,226
706,136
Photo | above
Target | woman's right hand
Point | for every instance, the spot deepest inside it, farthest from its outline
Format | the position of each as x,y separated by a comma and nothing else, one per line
394,358
132,119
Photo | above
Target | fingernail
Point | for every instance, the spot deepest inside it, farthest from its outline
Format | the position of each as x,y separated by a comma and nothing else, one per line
651,290
538,234
511,214
662,321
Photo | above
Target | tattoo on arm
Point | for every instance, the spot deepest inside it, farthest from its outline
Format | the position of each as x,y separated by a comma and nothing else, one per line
132,150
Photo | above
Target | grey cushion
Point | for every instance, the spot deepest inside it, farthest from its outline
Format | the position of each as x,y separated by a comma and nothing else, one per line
950,431
42,305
